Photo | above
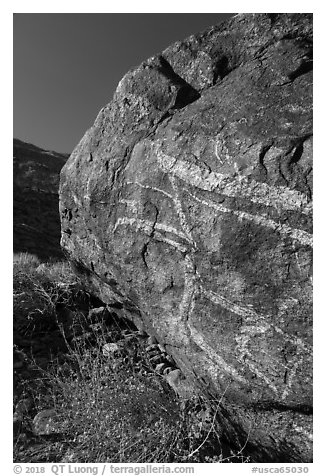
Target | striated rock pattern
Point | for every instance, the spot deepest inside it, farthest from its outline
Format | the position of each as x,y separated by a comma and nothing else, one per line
36,202
189,202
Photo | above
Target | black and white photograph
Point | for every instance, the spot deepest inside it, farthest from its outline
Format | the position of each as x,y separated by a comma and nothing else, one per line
162,241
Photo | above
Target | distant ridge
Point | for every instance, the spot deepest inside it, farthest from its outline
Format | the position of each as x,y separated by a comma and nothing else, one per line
35,192
28,145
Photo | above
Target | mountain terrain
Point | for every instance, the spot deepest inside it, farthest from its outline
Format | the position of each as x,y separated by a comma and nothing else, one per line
35,198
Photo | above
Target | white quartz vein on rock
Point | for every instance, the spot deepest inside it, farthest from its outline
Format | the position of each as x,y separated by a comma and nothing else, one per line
282,198
301,236
147,226
257,323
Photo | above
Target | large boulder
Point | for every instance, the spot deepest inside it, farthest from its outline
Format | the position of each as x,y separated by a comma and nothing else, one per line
189,202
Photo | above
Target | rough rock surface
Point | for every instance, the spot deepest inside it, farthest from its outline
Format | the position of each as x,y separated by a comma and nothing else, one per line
36,216
189,202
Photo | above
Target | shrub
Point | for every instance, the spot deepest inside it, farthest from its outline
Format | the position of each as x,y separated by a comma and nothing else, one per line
25,261
111,408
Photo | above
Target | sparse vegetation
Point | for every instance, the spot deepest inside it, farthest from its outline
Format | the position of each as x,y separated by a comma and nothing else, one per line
104,408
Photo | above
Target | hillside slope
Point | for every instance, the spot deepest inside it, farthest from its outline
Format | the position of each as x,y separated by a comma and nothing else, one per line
35,193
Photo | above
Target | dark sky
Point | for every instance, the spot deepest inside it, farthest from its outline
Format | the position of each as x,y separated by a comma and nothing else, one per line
67,66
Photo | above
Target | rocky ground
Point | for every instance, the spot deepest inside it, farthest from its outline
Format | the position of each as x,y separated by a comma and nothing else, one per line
88,386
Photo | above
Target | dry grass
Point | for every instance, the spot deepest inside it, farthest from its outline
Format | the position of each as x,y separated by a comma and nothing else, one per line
108,409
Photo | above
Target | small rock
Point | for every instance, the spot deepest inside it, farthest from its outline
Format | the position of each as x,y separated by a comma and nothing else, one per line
180,385
96,327
174,376
23,407
47,422
109,349
98,312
